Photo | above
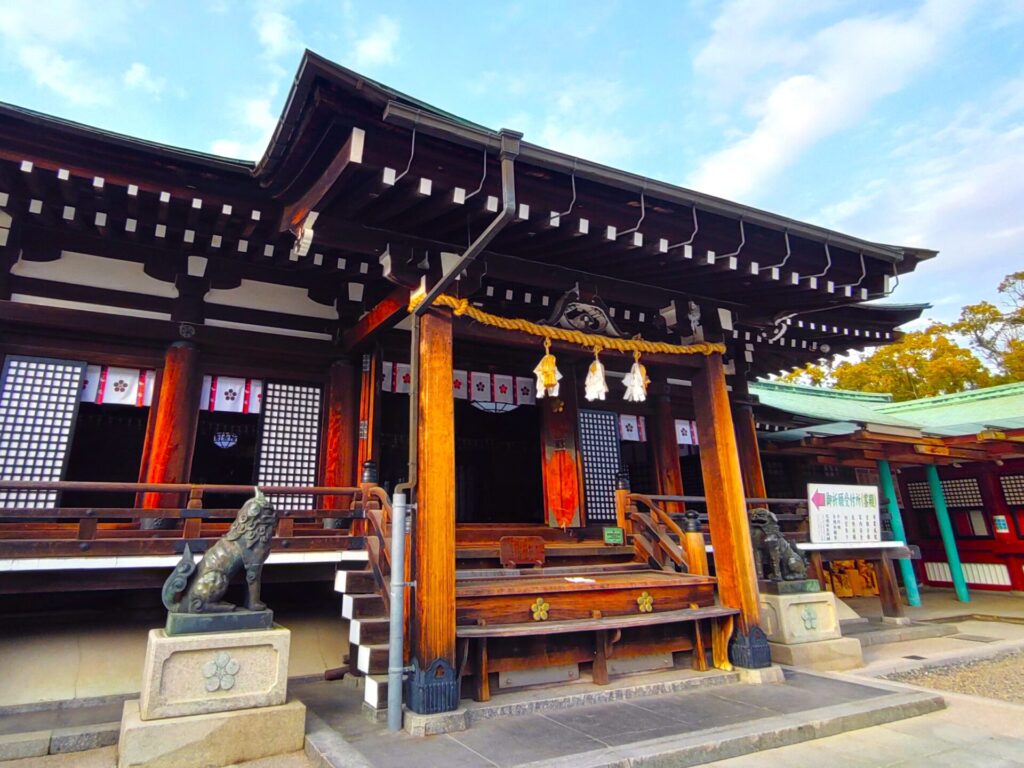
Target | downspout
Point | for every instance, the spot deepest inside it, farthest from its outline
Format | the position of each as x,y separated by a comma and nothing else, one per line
396,645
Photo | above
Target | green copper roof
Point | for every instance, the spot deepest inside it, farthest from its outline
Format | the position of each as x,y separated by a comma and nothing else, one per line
842,411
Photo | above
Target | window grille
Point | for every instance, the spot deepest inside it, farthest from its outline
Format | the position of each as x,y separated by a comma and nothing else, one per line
599,451
289,441
38,406
1013,489
920,495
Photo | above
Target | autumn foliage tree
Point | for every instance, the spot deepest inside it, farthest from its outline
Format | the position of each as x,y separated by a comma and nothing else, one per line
933,361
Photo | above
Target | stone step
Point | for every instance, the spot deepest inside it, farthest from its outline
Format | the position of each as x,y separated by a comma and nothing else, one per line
369,631
373,659
375,694
355,582
362,606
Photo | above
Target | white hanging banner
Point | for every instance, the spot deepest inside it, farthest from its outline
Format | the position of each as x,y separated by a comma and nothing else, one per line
480,387
91,383
403,378
525,391
460,384
632,428
388,382
109,385
231,394
686,432
253,396
504,388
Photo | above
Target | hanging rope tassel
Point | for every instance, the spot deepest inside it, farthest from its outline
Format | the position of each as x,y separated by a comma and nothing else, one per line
547,373
595,385
636,381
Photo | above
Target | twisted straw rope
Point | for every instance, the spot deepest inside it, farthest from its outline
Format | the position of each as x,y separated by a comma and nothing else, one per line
462,307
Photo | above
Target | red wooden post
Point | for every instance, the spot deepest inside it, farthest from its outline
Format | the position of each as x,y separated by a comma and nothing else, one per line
666,451
174,425
368,409
338,462
727,512
750,454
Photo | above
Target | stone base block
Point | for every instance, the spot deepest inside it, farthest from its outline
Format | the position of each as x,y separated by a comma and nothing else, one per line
17,745
431,725
763,676
800,618
213,672
897,621
209,741
822,656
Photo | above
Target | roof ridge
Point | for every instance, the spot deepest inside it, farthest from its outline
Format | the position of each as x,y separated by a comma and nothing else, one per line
982,393
883,398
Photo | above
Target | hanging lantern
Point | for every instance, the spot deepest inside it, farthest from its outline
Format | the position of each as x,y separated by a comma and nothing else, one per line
547,373
636,381
595,385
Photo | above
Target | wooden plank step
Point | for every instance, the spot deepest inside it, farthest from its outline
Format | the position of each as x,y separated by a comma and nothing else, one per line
355,582
373,659
369,631
362,606
593,581
375,692
590,625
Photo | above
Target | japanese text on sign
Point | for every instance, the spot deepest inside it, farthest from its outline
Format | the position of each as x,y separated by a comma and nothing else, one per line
843,514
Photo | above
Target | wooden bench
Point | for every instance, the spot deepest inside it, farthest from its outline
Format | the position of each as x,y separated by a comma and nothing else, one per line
607,631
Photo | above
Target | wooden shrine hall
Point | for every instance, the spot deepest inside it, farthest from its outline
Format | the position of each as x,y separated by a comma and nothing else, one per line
540,353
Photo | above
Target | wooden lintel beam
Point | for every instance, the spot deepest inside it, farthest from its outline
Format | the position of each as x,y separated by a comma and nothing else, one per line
350,154
385,315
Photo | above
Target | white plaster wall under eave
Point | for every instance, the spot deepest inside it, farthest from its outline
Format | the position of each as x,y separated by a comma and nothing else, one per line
96,272
271,297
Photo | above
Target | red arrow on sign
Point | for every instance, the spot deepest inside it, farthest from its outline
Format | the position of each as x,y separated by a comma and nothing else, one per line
818,499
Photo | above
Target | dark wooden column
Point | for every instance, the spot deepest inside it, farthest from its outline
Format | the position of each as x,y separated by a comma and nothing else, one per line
750,453
727,513
666,449
434,686
174,426
341,432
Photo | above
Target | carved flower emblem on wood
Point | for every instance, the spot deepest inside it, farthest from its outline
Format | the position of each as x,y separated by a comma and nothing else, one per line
645,602
540,609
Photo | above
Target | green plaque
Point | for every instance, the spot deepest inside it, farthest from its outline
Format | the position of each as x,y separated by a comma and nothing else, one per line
613,535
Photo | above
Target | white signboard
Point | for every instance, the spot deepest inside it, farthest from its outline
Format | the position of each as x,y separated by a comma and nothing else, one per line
843,514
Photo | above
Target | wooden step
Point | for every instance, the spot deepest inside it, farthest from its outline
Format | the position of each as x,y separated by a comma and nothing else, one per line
375,694
369,631
355,582
373,659
362,606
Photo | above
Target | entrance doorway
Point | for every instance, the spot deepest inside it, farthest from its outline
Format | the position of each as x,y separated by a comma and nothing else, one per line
106,447
225,454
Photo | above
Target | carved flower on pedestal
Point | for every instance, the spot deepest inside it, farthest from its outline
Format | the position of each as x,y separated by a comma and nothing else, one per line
220,673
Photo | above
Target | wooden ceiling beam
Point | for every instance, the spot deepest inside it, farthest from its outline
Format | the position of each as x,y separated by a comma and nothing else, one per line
386,314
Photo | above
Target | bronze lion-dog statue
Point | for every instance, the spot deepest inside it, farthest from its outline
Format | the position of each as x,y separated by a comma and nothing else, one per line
244,548
775,558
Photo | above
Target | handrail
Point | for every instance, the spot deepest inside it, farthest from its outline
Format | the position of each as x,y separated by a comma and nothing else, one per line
650,539
112,487
659,513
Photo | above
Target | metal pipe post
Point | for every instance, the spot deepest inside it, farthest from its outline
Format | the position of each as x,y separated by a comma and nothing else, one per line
956,570
898,531
396,638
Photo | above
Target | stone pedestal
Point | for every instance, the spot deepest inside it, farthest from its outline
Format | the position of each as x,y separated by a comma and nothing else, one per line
803,631
212,699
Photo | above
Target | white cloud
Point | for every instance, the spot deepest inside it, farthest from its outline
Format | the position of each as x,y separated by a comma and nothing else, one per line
257,121
377,46
139,77
816,84
277,32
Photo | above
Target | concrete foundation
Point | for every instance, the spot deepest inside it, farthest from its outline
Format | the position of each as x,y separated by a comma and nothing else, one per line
209,740
800,618
822,656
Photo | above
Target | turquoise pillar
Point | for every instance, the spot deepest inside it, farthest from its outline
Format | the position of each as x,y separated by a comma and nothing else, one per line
898,531
948,539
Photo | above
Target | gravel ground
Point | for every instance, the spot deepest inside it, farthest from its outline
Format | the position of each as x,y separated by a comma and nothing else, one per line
999,678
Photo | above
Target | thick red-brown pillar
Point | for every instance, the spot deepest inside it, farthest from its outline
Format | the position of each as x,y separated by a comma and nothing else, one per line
341,431
750,454
369,406
173,436
433,634
666,451
723,488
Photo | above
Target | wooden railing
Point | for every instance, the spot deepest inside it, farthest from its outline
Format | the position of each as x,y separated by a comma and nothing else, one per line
106,531
653,531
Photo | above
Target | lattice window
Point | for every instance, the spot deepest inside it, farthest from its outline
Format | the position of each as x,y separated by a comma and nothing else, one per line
599,450
962,492
38,405
289,442
920,495
1013,489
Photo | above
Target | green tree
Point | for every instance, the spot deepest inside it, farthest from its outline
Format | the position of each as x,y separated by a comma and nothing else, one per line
997,332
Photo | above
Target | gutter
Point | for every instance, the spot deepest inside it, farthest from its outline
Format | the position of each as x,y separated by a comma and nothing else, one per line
510,146
400,114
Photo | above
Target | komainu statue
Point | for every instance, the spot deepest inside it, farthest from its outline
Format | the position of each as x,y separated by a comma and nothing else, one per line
784,562
244,548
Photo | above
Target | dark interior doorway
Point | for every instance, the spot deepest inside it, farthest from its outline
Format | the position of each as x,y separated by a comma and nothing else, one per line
497,465
225,453
106,447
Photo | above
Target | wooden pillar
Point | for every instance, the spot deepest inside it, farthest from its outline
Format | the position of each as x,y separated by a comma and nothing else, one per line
562,467
666,451
750,453
369,405
174,426
946,531
338,462
727,512
888,490
433,634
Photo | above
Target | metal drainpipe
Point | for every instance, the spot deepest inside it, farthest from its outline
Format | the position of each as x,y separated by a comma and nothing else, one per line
396,643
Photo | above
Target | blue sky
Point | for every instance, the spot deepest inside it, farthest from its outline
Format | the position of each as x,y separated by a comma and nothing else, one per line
901,122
